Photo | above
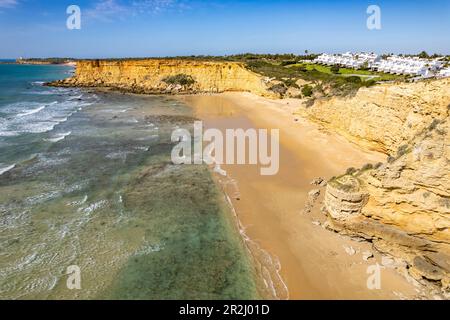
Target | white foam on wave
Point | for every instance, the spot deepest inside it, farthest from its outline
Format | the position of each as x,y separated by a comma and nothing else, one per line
33,111
41,93
76,97
79,202
94,206
270,265
30,112
143,148
149,248
59,137
9,133
6,169
63,119
40,118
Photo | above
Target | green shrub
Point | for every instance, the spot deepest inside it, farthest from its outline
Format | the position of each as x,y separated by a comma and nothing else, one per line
301,68
367,166
278,88
378,165
353,79
351,171
181,79
369,83
290,83
390,159
335,69
402,150
307,90
434,124
288,62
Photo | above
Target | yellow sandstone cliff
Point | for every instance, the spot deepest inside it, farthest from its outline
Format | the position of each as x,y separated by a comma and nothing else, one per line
386,116
407,211
147,76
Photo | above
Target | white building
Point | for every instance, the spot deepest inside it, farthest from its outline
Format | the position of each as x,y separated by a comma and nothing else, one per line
394,64
408,66
444,73
348,59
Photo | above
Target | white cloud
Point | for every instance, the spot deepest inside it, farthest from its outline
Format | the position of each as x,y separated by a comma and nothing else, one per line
8,3
109,10
153,6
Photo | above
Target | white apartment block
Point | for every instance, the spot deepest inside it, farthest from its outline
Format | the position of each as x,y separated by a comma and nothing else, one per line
409,66
444,73
348,59
394,64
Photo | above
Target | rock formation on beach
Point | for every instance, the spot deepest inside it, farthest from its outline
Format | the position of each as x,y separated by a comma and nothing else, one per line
407,211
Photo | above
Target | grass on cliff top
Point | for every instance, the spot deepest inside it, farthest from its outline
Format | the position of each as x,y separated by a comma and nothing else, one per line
337,84
346,72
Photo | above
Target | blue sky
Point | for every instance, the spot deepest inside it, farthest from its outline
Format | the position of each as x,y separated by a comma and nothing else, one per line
137,28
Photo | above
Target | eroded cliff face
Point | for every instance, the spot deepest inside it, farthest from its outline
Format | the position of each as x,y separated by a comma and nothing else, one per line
147,75
407,212
384,117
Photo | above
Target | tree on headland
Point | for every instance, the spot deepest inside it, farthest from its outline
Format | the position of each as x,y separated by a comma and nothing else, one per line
423,55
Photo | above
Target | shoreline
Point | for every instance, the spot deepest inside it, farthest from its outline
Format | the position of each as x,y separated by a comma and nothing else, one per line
313,262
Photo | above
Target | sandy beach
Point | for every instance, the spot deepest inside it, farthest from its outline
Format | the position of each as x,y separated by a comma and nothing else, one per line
297,258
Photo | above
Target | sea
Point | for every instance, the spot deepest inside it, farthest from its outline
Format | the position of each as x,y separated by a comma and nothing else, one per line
91,207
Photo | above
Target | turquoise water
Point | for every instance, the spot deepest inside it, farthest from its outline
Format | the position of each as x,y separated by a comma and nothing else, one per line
86,180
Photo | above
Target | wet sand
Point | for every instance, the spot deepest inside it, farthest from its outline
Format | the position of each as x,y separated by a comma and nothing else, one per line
290,251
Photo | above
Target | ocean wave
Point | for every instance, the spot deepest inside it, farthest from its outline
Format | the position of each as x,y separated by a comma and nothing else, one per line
59,137
147,249
30,112
93,207
36,110
41,93
76,97
269,266
142,148
62,119
9,133
79,202
41,198
33,117
6,169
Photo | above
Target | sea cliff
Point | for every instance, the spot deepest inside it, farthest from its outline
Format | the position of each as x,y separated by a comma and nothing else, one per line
386,116
407,211
150,76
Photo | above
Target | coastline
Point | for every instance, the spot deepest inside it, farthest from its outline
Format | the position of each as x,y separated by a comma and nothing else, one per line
287,245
